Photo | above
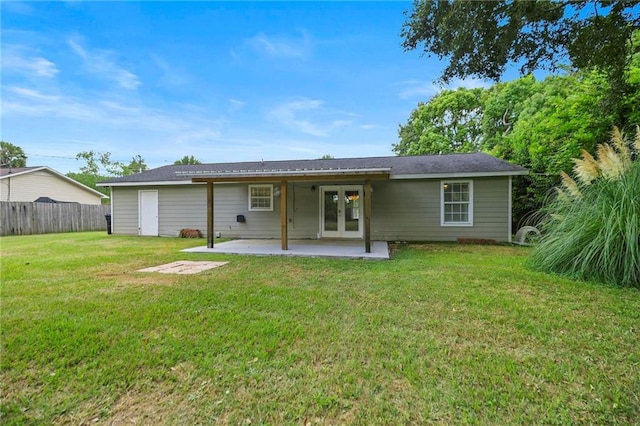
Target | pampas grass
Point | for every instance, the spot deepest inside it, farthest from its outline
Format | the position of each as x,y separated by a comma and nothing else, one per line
592,228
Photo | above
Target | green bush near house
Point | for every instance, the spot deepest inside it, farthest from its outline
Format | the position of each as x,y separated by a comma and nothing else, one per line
592,227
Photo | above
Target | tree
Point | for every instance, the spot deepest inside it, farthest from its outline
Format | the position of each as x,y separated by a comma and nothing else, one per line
187,159
562,117
90,181
100,164
541,125
327,157
480,38
502,108
99,167
450,122
137,165
12,155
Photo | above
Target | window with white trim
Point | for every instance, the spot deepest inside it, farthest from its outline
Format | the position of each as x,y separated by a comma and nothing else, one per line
260,197
456,203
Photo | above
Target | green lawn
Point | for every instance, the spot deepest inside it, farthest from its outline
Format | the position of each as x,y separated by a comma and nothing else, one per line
442,333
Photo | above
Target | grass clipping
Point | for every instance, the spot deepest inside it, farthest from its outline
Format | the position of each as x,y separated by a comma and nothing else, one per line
591,229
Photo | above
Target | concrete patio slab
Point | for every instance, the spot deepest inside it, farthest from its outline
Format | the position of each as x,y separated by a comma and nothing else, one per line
312,248
183,267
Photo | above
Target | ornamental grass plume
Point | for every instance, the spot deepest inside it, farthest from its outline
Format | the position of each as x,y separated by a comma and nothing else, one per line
591,229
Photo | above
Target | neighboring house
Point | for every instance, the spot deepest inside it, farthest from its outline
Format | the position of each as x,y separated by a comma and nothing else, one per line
412,198
29,184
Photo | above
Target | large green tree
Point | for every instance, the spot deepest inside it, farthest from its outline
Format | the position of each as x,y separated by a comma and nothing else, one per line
480,38
450,122
541,125
483,38
12,155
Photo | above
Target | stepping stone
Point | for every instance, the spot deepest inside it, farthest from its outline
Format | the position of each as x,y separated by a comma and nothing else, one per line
183,267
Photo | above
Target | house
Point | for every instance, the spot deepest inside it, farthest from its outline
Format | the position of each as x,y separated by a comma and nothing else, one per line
419,198
29,184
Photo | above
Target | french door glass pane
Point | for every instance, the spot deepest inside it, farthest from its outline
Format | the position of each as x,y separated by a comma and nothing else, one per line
352,210
331,210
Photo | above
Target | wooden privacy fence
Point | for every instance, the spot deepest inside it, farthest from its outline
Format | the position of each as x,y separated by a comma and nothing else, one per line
21,218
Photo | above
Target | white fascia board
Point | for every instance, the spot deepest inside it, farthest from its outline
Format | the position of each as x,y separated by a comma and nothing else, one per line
457,175
156,183
286,173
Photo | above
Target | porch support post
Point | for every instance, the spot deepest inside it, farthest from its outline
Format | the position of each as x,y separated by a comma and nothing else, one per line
210,233
283,215
367,216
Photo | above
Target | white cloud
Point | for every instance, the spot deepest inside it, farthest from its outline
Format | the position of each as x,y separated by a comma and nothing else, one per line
102,63
425,89
96,112
236,105
16,58
170,75
280,47
288,115
311,117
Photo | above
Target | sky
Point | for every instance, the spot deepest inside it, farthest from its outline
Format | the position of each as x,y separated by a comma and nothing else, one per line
222,81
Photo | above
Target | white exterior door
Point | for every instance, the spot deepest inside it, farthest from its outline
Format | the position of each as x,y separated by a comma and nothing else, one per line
148,213
341,211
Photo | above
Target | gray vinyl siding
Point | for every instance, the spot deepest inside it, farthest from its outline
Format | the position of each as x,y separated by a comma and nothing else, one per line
410,211
231,200
402,210
124,210
182,206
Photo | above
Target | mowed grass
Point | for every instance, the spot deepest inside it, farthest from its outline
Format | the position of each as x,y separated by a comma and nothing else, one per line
442,333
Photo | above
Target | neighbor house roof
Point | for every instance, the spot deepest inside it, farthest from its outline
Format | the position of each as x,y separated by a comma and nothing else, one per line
12,172
396,167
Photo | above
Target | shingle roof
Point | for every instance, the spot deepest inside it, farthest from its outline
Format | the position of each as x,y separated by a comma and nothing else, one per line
396,166
4,171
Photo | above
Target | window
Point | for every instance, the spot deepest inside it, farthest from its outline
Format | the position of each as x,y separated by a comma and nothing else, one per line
457,203
260,197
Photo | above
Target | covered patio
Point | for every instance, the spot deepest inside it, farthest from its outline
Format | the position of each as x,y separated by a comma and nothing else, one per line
312,248
362,175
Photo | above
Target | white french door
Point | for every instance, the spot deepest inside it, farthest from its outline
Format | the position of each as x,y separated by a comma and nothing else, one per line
341,211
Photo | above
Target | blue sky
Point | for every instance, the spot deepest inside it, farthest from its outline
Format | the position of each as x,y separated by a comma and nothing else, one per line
220,81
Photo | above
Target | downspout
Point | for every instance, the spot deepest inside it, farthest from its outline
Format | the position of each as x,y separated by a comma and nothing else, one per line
9,184
510,220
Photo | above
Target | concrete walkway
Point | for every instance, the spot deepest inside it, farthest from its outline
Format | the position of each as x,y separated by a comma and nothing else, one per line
312,248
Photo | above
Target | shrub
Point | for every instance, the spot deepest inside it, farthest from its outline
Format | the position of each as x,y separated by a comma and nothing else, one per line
591,229
190,233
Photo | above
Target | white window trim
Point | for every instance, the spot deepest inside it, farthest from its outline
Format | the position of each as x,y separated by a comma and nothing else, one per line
442,221
260,209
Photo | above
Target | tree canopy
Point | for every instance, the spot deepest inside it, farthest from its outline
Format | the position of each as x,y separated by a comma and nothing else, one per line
480,38
449,122
187,159
539,124
12,155
98,166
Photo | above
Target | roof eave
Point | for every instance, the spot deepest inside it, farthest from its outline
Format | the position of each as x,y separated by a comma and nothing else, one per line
459,175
